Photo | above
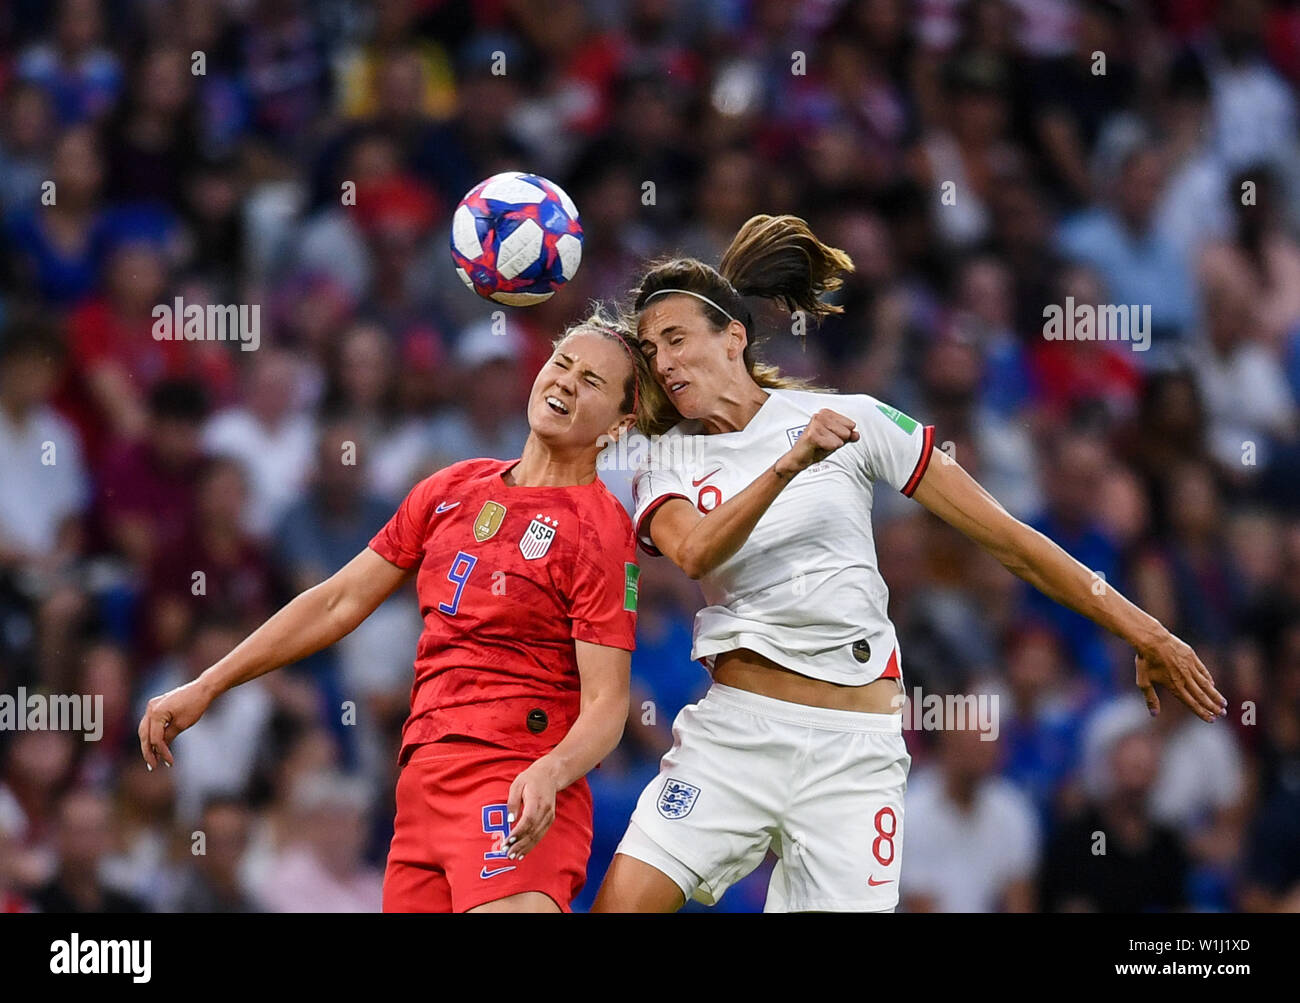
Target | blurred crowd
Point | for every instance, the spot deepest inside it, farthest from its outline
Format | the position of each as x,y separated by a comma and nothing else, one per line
980,160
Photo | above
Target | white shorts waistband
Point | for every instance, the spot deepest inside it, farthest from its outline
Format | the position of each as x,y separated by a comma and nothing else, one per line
802,714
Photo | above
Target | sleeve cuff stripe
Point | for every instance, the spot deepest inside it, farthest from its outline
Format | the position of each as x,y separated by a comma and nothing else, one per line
641,538
927,445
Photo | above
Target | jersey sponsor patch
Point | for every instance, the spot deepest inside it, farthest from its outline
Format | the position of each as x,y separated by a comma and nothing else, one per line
907,424
537,538
631,585
677,799
488,521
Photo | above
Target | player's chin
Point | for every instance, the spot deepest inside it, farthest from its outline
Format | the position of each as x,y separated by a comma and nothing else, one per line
545,420
683,400
559,430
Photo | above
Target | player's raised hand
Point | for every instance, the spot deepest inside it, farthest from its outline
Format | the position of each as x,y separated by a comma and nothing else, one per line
827,431
531,803
166,716
1172,663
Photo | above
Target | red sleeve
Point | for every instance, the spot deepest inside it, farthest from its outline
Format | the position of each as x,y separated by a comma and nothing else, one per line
605,581
401,541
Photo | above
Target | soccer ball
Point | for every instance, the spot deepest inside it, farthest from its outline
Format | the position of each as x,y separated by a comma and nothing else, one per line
515,238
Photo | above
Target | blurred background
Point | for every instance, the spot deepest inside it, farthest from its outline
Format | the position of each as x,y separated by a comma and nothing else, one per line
1171,471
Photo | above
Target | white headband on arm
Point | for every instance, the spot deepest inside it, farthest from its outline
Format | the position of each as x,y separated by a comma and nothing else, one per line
687,292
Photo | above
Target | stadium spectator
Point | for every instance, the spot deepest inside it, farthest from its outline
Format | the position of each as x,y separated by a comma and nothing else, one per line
39,767
1114,856
321,869
363,389
1137,264
26,135
214,883
965,162
1259,257
1247,400
45,484
57,249
1042,718
80,74
215,567
972,841
146,501
154,135
482,424
271,435
83,837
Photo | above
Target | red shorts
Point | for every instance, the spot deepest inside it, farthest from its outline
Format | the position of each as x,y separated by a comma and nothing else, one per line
451,819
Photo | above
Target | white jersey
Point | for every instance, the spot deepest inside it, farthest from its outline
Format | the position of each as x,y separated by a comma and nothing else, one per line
805,589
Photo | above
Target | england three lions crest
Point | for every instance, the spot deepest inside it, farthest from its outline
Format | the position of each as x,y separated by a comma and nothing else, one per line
677,799
537,538
793,435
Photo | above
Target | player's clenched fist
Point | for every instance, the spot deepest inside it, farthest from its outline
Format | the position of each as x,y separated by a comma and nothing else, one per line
826,432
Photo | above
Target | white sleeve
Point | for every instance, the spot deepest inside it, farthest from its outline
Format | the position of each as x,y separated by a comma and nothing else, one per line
895,447
653,485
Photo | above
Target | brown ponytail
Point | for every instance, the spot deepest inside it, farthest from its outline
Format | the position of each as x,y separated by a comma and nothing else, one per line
771,257
778,257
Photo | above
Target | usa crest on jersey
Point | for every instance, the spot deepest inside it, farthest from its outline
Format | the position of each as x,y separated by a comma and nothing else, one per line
537,538
677,799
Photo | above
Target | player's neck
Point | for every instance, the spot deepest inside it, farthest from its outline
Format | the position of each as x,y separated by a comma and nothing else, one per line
540,466
734,409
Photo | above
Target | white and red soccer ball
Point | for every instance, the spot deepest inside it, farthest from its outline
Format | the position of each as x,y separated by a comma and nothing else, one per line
515,238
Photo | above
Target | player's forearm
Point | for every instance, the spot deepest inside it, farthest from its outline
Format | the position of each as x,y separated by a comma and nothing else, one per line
1042,563
594,735
716,538
313,620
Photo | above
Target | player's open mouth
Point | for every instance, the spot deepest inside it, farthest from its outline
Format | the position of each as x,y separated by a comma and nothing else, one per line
675,388
556,405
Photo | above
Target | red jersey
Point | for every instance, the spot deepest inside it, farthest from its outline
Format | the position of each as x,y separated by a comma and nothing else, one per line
509,578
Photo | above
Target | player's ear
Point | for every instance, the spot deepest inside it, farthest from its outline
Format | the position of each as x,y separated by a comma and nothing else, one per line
625,425
737,339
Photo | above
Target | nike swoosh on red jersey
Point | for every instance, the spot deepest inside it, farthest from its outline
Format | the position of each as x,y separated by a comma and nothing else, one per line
696,484
444,506
485,873
873,882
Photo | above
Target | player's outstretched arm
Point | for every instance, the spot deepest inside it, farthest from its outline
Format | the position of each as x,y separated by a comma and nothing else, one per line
313,620
954,496
699,543
604,672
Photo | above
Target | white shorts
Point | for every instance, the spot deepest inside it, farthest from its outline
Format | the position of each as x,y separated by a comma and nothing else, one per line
822,788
